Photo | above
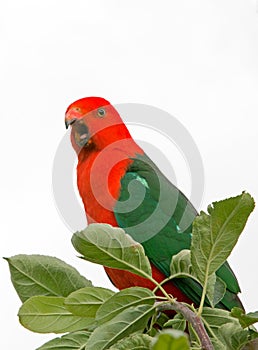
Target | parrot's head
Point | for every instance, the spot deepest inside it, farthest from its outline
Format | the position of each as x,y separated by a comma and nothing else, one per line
95,123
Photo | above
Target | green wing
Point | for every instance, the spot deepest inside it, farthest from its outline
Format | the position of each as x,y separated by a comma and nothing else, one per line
157,215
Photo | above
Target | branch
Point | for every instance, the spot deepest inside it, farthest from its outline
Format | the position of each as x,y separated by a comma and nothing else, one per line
253,345
191,317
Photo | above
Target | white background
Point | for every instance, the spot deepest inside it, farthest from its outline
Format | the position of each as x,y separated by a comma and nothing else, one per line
198,60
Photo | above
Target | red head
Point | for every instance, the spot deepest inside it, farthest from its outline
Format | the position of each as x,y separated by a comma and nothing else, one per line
95,123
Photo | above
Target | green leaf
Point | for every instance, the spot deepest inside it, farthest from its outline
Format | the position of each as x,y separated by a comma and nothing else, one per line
181,263
123,300
161,319
245,320
112,247
129,321
171,340
152,331
218,345
216,289
44,314
70,341
134,342
86,301
216,233
181,267
43,275
178,322
234,337
219,290
227,330
211,281
216,318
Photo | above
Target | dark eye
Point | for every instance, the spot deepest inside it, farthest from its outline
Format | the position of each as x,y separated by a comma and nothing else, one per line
101,112
77,109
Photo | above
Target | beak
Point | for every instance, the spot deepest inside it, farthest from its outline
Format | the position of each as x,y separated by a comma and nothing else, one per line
72,116
80,130
69,122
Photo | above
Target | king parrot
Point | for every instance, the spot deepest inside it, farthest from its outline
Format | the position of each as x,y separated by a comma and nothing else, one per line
121,186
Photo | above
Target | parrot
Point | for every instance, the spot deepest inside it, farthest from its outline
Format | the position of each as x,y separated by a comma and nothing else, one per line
121,186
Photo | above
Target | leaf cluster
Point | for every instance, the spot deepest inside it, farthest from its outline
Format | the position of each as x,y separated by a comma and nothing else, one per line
56,298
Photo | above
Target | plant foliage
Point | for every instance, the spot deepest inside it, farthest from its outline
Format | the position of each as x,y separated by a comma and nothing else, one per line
57,299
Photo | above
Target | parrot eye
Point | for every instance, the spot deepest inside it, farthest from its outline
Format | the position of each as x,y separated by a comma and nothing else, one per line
101,112
77,109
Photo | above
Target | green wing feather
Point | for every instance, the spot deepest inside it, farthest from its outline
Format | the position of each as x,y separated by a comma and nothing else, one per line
156,214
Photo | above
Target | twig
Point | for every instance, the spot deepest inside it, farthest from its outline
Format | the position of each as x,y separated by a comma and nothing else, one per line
253,345
191,317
